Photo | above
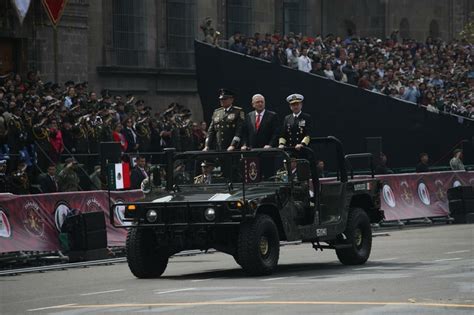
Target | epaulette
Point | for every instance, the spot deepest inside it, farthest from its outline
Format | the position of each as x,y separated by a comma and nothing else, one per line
218,109
237,107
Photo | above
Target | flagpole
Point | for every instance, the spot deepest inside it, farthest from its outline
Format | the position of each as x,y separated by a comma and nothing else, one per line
111,212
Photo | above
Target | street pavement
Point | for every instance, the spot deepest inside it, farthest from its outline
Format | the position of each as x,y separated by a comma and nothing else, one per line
425,270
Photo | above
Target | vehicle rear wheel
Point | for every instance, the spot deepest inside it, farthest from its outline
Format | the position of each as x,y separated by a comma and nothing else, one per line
359,235
258,246
145,259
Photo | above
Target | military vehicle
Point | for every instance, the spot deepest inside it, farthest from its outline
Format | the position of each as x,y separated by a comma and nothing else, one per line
245,203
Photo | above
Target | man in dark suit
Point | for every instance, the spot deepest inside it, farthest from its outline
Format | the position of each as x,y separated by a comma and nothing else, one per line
138,173
130,135
48,183
423,166
225,129
260,126
296,126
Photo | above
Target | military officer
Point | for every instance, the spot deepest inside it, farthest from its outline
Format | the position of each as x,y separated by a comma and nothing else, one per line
206,176
225,130
296,126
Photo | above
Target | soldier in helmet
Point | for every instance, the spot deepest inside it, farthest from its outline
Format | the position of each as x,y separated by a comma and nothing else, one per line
296,126
226,126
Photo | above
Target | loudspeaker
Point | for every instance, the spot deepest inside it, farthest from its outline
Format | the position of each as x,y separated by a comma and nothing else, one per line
94,221
110,152
85,240
96,239
461,206
461,192
86,231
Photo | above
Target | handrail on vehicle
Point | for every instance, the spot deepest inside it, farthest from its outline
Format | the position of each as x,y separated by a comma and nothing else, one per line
354,156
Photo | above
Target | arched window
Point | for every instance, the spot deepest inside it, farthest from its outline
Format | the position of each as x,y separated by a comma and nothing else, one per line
350,28
404,28
434,29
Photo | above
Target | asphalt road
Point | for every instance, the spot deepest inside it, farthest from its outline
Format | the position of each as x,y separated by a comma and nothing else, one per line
413,271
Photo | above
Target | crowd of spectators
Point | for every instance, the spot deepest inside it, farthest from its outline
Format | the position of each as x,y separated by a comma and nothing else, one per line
47,129
435,74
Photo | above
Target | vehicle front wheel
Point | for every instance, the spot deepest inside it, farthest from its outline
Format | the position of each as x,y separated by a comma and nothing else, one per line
258,246
359,235
145,259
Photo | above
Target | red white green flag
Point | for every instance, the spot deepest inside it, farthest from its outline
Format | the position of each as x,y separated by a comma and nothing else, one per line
119,175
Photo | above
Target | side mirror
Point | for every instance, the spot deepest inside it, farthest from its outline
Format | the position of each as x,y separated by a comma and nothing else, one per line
303,171
145,186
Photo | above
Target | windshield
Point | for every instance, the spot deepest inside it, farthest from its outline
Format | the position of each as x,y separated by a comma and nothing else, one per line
224,168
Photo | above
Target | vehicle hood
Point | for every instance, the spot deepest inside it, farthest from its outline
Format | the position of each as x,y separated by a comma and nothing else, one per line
192,194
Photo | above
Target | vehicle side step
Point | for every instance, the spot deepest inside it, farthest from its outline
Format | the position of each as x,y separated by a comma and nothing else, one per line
337,246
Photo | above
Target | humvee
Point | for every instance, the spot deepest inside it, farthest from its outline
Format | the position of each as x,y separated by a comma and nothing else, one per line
256,199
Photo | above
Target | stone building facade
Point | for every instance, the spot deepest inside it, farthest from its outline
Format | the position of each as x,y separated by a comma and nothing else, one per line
146,47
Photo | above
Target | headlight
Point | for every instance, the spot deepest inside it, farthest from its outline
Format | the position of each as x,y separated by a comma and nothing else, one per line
210,214
151,215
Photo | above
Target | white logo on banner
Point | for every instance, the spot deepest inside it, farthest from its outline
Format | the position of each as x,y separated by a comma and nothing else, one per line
424,194
60,214
388,196
5,228
120,213
457,183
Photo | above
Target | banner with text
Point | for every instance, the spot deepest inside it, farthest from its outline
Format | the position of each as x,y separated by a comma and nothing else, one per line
33,222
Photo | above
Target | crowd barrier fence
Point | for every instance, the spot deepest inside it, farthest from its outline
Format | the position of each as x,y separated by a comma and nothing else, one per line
33,222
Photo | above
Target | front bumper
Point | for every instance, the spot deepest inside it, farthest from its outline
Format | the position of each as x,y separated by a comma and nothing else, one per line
180,214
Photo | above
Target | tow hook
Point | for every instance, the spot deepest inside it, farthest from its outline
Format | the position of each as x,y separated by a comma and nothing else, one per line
317,246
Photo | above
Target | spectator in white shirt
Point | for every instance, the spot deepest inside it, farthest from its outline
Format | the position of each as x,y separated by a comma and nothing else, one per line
328,72
304,63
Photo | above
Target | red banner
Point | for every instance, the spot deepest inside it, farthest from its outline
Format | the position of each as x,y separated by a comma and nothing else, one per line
55,9
420,195
33,222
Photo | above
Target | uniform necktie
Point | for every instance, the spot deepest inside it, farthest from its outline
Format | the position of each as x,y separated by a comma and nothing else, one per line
257,122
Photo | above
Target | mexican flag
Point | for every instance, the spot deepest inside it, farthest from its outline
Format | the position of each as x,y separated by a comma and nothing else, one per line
118,175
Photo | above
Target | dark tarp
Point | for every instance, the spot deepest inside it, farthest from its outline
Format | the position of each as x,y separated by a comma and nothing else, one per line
338,109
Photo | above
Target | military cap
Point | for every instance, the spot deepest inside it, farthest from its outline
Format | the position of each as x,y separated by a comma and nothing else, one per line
207,163
71,160
293,98
457,151
225,93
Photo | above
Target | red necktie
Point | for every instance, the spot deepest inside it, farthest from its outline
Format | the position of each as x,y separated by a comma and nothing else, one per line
257,122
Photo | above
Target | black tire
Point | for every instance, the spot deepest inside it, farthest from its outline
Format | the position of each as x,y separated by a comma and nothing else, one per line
258,246
359,234
145,259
